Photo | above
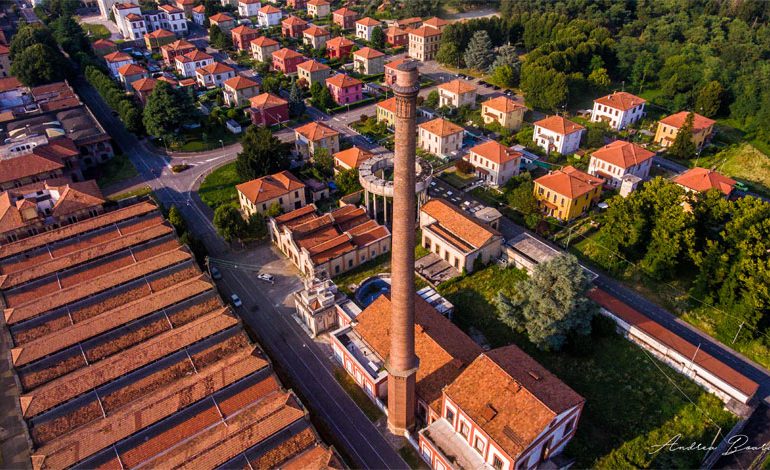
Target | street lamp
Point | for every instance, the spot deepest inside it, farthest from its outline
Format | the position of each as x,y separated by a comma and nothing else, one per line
222,143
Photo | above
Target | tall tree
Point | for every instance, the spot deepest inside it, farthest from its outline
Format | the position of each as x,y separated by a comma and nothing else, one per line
449,54
683,146
347,180
166,110
37,65
432,100
378,38
296,102
27,36
544,88
507,55
262,154
219,38
551,304
709,99
177,220
229,222
421,7
479,54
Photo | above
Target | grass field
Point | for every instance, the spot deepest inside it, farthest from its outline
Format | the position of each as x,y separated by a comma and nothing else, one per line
358,395
630,403
139,192
115,170
96,31
457,179
219,187
743,162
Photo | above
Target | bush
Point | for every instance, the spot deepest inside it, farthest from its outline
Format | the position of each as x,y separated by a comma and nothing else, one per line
180,168
464,166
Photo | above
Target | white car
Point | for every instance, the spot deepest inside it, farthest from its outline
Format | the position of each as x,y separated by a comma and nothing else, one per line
266,277
236,300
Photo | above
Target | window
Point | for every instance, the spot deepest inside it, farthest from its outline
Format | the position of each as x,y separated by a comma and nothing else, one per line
449,415
479,445
464,429
568,427
497,463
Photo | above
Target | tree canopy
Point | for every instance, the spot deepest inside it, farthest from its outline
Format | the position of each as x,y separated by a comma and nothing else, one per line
683,146
229,223
166,110
38,64
479,54
262,154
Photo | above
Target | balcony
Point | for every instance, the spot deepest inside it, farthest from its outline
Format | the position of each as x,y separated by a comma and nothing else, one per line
452,447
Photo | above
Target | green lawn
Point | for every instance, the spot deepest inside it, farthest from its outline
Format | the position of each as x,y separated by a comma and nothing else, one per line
358,395
96,31
457,179
219,187
744,162
139,192
194,141
115,170
630,404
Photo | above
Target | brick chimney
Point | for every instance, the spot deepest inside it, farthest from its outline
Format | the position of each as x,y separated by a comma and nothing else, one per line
402,362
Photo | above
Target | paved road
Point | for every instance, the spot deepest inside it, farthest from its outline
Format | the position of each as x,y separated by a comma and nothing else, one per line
283,340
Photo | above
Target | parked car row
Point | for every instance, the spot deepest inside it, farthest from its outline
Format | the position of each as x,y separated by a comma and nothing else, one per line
483,83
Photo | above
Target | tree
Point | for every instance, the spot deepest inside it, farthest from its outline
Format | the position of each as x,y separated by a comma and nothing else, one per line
595,134
296,102
229,222
505,76
256,227
507,55
432,100
37,65
219,39
521,196
600,79
464,166
271,85
480,53
262,154
544,88
378,38
321,97
709,99
166,110
683,146
347,181
421,8
27,36
70,35
551,304
177,220
323,161
449,54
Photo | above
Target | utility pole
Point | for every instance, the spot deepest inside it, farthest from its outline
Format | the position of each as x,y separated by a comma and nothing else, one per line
569,236
693,356
740,327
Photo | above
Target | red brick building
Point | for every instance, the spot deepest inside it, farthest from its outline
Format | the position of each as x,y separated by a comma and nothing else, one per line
242,36
268,109
339,47
292,27
345,18
180,47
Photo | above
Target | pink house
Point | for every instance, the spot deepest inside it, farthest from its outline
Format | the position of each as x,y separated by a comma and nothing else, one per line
345,89
286,60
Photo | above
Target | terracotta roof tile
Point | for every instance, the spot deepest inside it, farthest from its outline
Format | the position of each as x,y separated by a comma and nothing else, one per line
620,100
313,66
270,187
677,120
458,224
316,31
314,131
623,154
569,182
243,29
425,31
503,104
292,20
220,18
343,81
368,22
703,179
353,157
286,53
144,84
269,9
339,41
117,57
239,83
436,22
344,11
179,45
266,100
264,41
215,67
458,87
495,152
388,104
368,53
442,348
559,125
441,127
160,33
317,457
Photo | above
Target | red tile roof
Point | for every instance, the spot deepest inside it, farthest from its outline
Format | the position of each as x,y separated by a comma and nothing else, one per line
131,69
569,182
623,154
179,45
677,120
243,29
286,53
313,66
269,9
458,87
117,56
495,152
292,20
344,11
368,53
461,230
215,67
369,22
559,125
353,157
239,83
160,33
264,41
441,127
316,31
425,31
270,187
503,104
266,100
315,131
388,104
343,81
702,179
620,100
338,41
221,18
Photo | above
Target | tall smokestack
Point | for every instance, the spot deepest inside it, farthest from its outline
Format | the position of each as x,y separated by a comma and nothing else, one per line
402,362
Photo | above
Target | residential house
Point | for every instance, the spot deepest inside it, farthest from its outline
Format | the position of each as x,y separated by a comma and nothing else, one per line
409,23
396,36
457,93
199,15
314,136
47,161
442,349
158,38
365,26
424,43
557,134
186,6
326,245
701,180
130,73
268,109
345,18
619,109
503,110
350,158
386,111
311,71
296,4
292,27
143,88
368,61
495,163
213,75
187,64
286,60
618,159
504,411
242,36
239,90
339,47
248,8
129,20
459,239
390,70
315,36
116,60
38,207
263,47
101,48
172,19
435,23
345,89
224,21
318,8
180,47
567,193
269,16
440,137
259,195
668,128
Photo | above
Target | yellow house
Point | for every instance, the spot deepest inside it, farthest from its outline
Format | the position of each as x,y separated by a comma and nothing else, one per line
567,193
386,111
668,128
259,195
504,111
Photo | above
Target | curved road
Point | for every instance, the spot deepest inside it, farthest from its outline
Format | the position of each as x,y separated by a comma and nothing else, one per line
303,362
